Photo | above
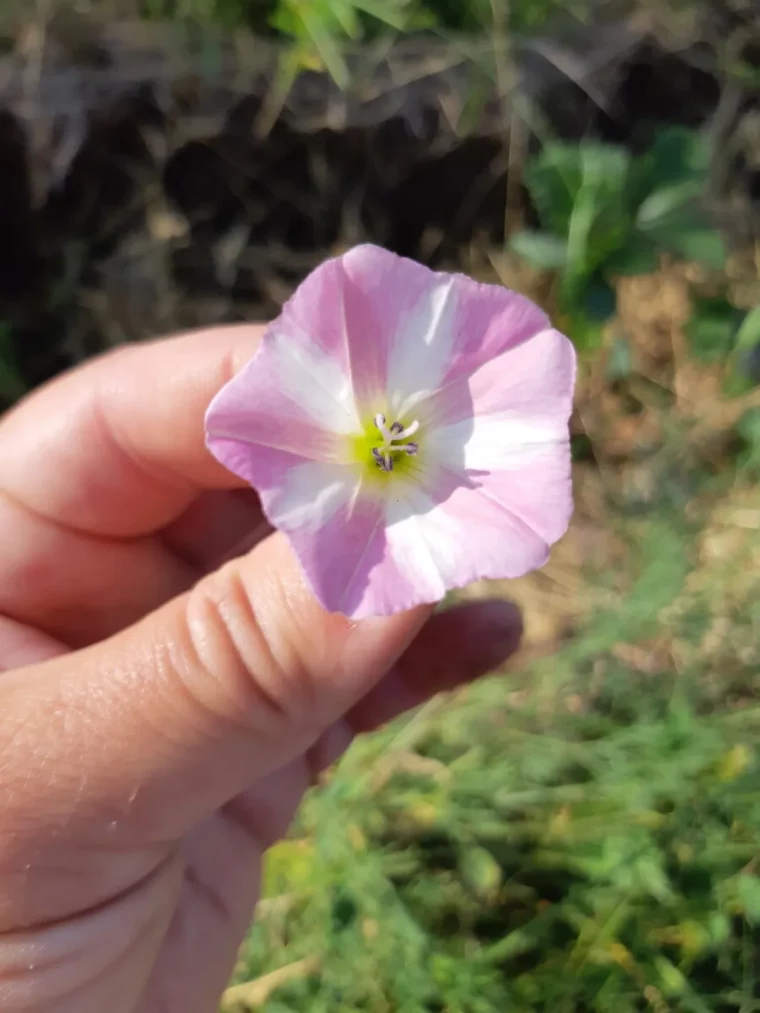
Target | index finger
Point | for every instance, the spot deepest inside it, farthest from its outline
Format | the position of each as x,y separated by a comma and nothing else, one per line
116,448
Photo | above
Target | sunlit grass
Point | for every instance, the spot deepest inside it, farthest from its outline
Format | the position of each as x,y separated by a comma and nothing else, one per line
580,834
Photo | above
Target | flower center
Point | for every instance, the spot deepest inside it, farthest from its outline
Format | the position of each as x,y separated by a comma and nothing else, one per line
392,442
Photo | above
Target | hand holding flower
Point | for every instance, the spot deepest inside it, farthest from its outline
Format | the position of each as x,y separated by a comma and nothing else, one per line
162,710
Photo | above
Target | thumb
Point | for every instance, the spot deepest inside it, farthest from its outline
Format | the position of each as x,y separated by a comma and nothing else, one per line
130,742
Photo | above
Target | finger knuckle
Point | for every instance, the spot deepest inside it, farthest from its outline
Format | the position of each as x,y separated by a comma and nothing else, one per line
241,663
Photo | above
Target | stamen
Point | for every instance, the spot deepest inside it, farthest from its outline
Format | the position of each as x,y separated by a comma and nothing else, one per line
392,436
410,430
380,423
383,461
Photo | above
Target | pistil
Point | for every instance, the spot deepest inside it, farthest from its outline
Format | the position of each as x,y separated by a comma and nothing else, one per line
392,436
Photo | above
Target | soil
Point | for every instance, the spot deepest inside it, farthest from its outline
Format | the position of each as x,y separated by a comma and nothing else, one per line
147,186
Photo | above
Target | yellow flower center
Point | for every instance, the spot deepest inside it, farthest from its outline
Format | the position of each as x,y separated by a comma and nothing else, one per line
386,449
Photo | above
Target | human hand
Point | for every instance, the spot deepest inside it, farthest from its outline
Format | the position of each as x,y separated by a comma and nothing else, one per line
164,699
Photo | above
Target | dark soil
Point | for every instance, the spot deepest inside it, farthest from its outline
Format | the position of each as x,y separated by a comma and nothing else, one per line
234,215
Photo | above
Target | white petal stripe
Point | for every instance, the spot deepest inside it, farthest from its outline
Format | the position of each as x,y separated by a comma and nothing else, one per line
420,352
315,381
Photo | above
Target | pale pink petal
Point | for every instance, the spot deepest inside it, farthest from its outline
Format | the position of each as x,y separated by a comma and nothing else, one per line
348,307
387,320
399,320
530,385
445,536
291,396
494,490
401,330
339,558
412,330
337,531
333,530
491,320
535,487
505,430
364,557
411,312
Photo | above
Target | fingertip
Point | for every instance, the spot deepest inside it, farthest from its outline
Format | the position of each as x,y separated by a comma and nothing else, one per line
287,606
494,627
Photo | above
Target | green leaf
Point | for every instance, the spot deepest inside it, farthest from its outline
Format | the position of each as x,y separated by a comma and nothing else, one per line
699,244
542,249
672,981
744,374
390,13
748,335
315,27
553,179
665,205
748,889
677,154
580,255
579,192
748,427
345,17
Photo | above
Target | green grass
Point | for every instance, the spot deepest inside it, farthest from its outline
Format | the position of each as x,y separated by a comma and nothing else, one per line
582,836
354,18
318,30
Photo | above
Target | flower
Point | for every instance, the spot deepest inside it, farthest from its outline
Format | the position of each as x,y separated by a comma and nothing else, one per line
406,429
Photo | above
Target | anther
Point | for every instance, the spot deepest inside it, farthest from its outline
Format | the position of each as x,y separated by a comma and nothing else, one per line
383,461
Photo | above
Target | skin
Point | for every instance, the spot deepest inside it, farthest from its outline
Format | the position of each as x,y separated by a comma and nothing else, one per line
169,687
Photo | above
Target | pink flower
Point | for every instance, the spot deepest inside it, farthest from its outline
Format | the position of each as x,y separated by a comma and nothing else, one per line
406,429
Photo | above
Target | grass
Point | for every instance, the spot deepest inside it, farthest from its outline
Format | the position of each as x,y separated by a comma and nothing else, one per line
581,835
358,18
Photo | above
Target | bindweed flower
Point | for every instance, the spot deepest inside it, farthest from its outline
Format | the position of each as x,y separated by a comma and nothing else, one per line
406,429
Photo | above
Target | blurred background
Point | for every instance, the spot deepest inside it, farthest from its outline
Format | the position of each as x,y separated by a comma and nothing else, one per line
581,833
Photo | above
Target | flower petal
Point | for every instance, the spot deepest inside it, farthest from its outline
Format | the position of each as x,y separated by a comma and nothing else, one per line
337,534
534,488
528,391
411,330
291,396
343,307
363,556
412,312
400,324
446,536
506,431
491,320
336,530
400,330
